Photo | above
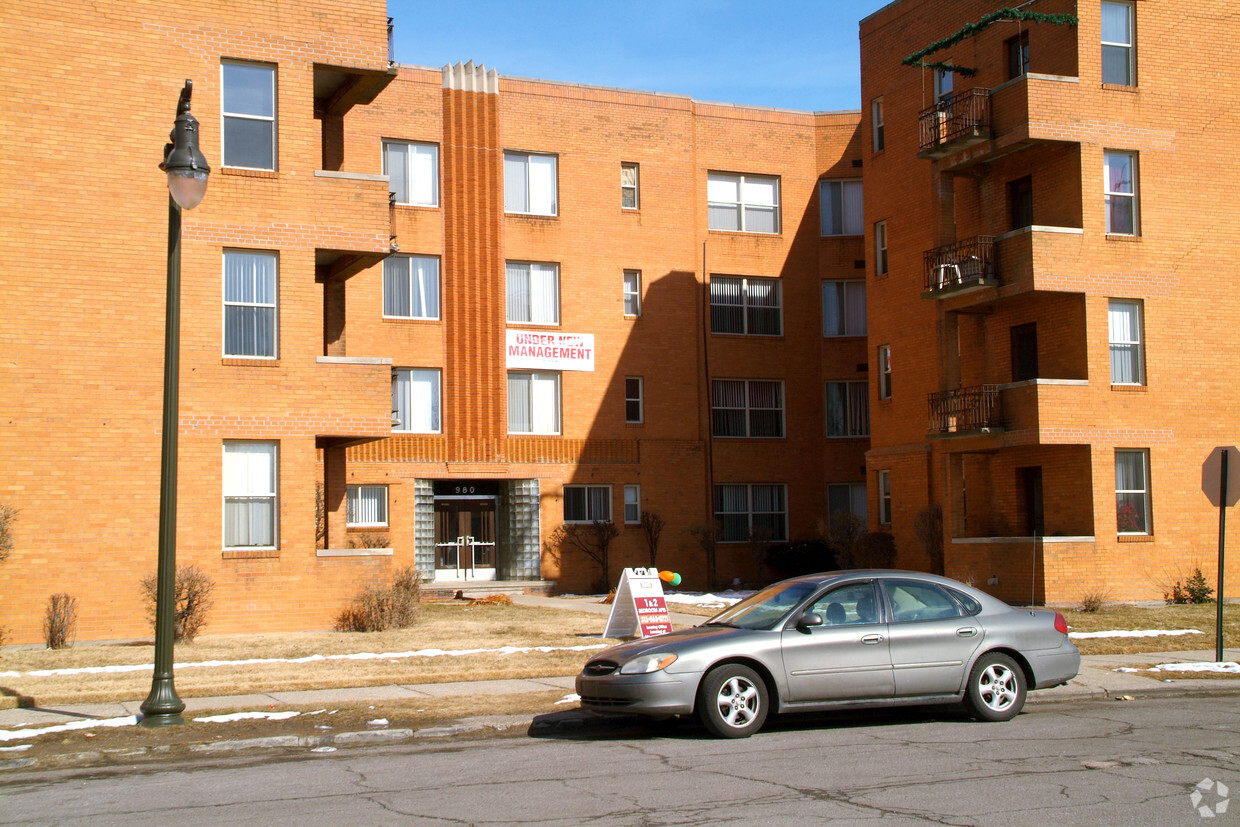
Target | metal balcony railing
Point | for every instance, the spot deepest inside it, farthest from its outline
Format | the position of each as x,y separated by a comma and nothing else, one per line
963,115
966,263
965,410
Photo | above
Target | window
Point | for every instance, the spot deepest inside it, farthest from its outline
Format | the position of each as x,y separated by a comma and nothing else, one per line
632,292
534,403
533,292
1121,192
587,503
1127,356
743,203
747,408
747,512
749,306
250,495
1017,49
913,601
633,412
884,498
411,287
628,186
1132,492
848,409
249,109
632,504
366,505
943,81
843,308
416,400
1118,64
847,605
839,204
876,124
413,172
530,184
847,498
249,304
1020,202
880,248
884,371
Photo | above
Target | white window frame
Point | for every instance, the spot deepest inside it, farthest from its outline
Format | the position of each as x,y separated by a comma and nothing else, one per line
543,389
1129,46
878,137
634,186
256,117
1143,492
632,293
253,488
430,421
880,248
413,184
857,496
843,295
1125,332
778,535
254,304
1113,196
632,504
884,371
639,400
594,496
884,497
851,217
748,409
532,292
355,501
750,310
856,401
519,196
717,199
421,279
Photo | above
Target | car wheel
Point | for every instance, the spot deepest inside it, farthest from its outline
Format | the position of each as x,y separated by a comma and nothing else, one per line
732,701
996,689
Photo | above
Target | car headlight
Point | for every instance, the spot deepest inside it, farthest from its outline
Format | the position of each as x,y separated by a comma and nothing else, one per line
648,663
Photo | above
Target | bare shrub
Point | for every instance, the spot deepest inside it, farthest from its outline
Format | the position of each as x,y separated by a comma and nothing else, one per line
874,550
376,608
8,516
590,539
320,516
406,595
707,536
844,529
369,539
60,621
928,526
652,528
193,594
1092,600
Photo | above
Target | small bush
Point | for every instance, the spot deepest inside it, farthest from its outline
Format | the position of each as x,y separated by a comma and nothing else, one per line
60,621
376,608
1191,589
804,557
1093,600
368,540
874,550
193,594
8,516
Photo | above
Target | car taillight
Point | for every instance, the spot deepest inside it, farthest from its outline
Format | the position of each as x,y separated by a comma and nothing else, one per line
1061,625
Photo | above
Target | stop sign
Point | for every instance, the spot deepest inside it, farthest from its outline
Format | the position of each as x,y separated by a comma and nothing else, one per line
1211,476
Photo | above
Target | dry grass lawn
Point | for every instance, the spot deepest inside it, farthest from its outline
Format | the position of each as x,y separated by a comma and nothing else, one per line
1200,617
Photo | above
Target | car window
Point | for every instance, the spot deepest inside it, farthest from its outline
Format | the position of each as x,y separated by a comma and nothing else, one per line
971,606
911,600
847,605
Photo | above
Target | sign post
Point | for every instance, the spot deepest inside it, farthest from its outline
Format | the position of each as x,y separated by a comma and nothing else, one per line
1220,480
640,609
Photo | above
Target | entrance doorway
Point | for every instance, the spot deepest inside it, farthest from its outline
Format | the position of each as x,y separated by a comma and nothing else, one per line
465,538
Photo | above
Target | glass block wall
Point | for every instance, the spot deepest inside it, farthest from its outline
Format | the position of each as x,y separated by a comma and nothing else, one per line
520,556
424,528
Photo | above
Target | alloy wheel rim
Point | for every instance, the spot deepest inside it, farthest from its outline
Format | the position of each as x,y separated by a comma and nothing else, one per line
997,687
738,702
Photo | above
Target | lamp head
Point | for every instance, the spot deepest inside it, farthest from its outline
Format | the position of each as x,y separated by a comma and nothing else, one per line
184,163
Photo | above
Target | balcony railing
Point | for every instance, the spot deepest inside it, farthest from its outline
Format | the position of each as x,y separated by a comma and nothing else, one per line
955,122
966,263
965,410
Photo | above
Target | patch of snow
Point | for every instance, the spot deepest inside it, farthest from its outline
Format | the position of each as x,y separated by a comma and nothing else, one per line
1125,669
1136,633
86,723
17,748
378,722
1226,667
706,600
248,716
323,749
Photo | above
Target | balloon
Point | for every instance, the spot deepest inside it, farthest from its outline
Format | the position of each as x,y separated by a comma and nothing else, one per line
671,578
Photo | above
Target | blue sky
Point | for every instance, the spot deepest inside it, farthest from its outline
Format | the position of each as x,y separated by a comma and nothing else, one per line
793,54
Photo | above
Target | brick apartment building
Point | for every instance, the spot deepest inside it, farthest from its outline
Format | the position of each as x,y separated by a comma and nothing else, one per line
584,304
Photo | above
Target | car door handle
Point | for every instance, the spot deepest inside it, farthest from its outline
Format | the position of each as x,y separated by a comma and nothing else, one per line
967,632
871,639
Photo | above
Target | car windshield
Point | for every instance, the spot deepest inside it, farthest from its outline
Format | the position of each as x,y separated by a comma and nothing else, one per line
766,608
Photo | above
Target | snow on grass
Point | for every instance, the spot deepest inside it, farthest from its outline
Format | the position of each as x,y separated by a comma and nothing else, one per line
1228,667
248,716
89,723
1135,633
706,600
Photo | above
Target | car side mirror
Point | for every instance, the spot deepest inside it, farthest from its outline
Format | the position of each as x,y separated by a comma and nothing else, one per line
809,619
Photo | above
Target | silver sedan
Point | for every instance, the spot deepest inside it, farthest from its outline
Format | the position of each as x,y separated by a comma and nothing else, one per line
837,640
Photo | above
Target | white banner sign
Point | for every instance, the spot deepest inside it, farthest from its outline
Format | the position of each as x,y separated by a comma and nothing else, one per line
550,351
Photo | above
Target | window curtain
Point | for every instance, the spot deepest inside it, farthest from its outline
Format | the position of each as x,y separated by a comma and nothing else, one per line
424,177
424,401
520,419
769,509
1130,492
396,294
249,494
723,202
762,298
853,222
367,505
518,292
516,186
545,402
544,281
542,200
424,289
727,310
400,400
575,503
249,304
1117,40
599,509
854,308
761,200
831,208
732,512
396,165
766,409
728,407
1124,322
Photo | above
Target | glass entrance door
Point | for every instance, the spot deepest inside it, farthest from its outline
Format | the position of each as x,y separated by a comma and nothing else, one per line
464,538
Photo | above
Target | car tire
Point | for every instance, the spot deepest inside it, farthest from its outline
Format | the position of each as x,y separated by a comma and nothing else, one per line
996,690
732,701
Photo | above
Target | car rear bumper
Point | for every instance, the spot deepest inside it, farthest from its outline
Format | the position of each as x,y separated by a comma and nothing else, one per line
1052,667
657,694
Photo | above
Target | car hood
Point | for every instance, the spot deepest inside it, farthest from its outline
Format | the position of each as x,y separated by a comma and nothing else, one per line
671,642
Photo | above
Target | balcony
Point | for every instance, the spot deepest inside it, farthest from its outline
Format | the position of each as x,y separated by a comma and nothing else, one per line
961,267
965,411
955,123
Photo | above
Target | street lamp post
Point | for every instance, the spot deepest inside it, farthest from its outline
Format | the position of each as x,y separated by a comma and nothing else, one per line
187,171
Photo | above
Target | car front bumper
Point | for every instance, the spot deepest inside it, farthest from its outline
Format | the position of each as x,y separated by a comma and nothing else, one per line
656,694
